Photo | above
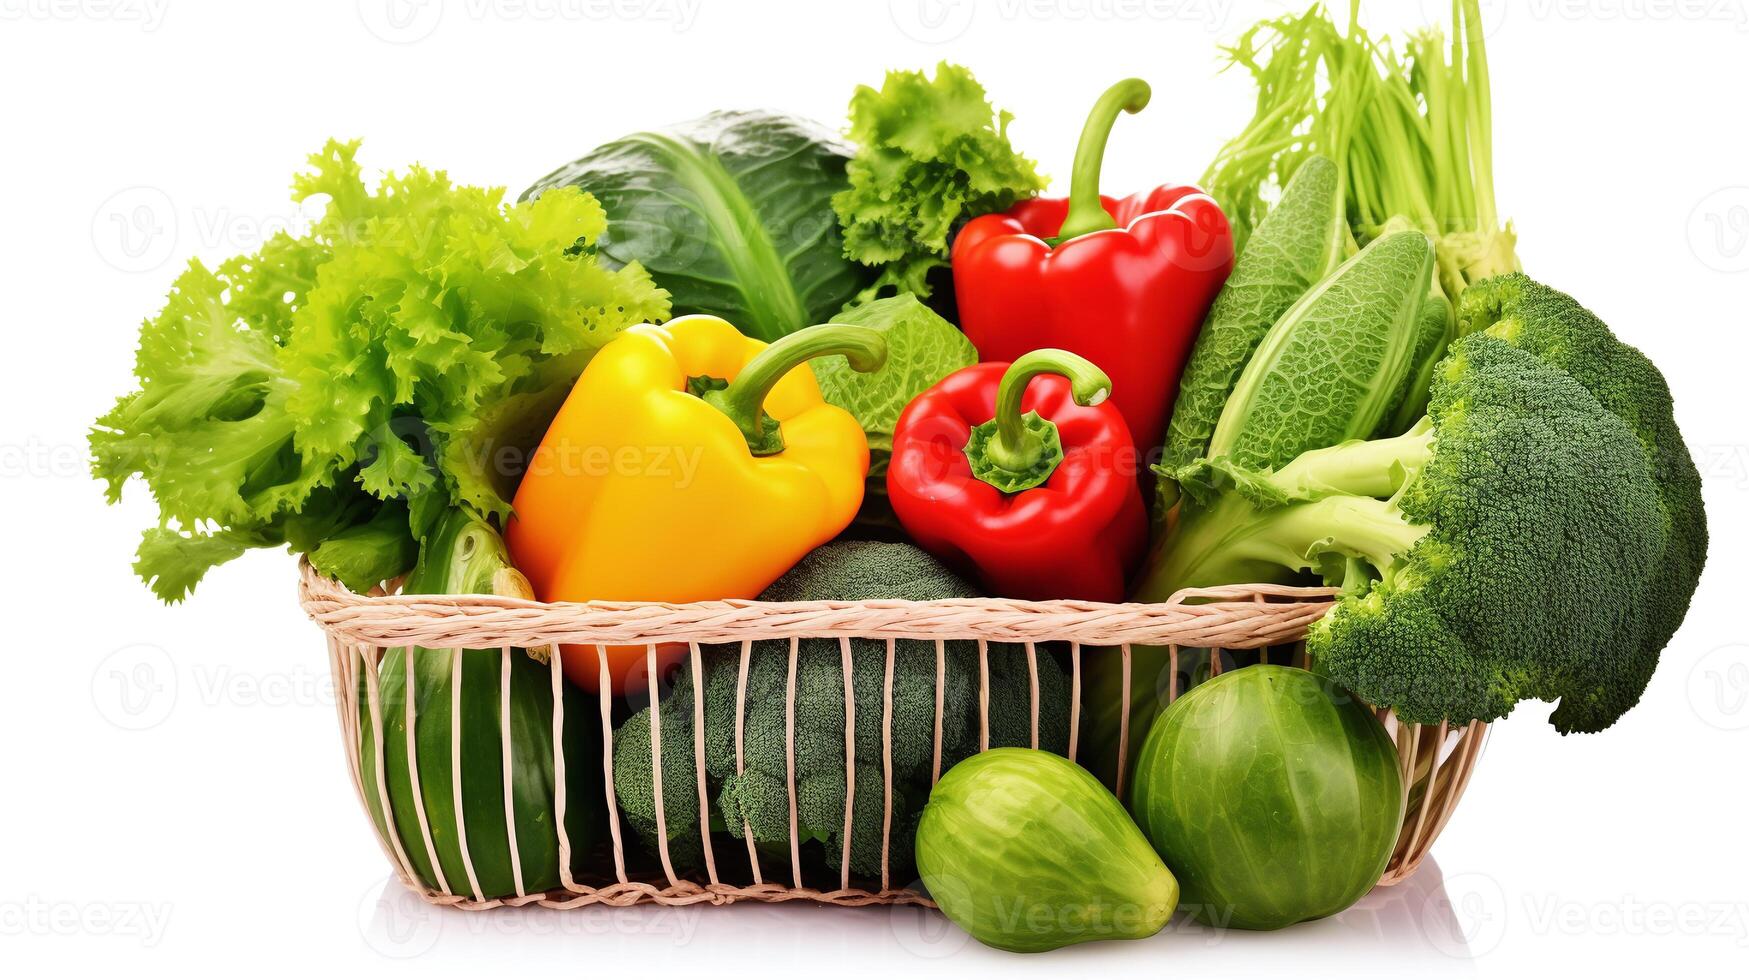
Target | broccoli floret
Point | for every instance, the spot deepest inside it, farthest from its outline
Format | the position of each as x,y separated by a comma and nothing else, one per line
1554,327
757,798
1497,551
633,778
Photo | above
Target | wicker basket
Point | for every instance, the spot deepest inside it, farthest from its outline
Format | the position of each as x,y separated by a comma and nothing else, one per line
1436,759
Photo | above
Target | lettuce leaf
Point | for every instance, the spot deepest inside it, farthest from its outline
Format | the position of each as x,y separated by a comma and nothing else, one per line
315,393
932,154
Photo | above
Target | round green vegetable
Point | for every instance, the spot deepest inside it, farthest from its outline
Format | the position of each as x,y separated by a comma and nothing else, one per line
1274,794
1027,852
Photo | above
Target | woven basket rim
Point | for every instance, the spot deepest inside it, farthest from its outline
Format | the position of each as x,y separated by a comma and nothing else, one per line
1236,617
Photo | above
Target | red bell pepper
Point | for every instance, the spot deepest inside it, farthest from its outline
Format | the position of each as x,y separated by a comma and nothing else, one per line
1040,505
1124,283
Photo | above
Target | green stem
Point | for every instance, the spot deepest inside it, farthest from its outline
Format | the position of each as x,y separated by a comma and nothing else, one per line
460,555
1086,213
1014,452
743,400
1363,468
1479,111
1235,541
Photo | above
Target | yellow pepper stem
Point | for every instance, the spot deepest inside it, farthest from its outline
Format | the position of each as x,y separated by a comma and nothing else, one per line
743,400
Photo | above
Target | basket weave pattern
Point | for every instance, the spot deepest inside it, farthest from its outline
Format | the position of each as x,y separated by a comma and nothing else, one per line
1436,760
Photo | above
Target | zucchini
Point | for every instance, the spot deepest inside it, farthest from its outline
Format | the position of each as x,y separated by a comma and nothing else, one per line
463,554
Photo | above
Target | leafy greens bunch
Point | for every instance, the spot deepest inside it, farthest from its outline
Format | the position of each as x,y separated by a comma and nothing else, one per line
1411,135
336,391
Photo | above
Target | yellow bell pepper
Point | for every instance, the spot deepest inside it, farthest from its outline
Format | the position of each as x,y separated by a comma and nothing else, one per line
689,463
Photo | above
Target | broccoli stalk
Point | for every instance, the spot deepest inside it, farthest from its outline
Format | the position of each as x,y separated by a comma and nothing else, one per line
1260,526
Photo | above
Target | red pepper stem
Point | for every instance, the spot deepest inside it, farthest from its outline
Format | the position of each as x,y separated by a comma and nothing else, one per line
743,400
1015,447
1086,213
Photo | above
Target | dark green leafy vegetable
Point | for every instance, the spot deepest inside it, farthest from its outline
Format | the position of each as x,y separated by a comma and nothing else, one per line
312,394
1294,247
931,155
731,213
1332,367
1510,546
1435,328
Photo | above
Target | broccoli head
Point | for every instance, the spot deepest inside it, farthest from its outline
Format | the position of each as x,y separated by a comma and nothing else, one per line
1542,545
1554,327
755,796
1499,550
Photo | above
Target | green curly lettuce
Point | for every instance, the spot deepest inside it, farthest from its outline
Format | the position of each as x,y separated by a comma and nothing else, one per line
932,153
329,391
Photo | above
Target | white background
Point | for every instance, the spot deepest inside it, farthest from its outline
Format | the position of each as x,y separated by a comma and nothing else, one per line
176,801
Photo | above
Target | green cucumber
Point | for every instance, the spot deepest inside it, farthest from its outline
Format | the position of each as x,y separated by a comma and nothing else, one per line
464,555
